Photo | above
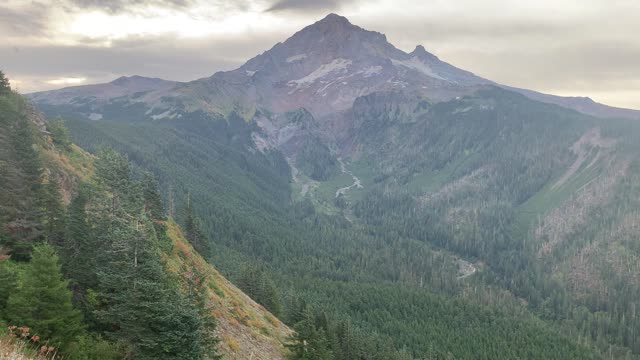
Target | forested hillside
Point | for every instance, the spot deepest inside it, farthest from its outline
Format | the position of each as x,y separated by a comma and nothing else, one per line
92,268
383,279
383,204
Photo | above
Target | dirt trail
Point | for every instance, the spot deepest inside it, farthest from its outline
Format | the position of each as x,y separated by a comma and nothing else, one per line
356,182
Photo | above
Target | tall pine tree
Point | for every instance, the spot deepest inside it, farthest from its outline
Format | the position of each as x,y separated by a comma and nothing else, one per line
195,235
54,213
138,303
42,300
25,227
80,246
5,87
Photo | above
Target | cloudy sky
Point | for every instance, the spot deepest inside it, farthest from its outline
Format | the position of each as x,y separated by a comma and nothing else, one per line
565,47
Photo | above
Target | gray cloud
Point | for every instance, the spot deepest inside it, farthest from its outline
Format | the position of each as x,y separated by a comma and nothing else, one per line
306,5
160,57
115,6
29,22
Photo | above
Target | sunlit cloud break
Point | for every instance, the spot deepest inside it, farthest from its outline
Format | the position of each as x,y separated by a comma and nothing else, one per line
67,81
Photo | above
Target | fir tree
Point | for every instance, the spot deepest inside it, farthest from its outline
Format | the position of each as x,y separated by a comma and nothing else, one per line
26,227
59,133
7,282
309,342
194,233
138,301
5,87
80,245
54,213
255,282
152,199
42,300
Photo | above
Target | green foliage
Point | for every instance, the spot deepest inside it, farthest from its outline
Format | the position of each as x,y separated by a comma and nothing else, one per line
256,282
80,246
42,300
8,283
316,160
21,196
54,213
152,198
194,233
5,87
137,300
109,240
59,133
95,348
459,179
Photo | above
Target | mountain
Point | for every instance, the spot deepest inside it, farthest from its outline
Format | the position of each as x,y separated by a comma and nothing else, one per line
389,203
323,68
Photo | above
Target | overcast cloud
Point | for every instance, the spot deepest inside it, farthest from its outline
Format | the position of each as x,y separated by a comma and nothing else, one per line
570,47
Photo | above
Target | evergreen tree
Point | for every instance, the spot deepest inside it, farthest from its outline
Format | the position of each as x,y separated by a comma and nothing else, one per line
152,199
256,282
198,296
7,282
5,87
113,174
138,301
59,133
139,304
26,226
80,247
309,342
42,300
194,233
54,213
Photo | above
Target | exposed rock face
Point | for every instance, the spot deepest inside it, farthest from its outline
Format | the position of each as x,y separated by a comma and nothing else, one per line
323,68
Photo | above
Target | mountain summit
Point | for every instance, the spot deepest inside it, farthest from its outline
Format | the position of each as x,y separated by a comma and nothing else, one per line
323,68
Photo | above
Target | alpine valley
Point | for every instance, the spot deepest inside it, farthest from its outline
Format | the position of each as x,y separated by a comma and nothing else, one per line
381,204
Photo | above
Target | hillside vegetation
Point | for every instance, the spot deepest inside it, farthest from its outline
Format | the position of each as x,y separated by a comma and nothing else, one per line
91,267
336,267
383,204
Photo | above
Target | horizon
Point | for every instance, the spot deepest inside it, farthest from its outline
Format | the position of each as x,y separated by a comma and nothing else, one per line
88,49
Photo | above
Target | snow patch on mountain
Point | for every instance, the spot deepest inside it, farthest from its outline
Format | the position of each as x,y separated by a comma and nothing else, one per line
371,70
95,116
336,65
416,64
298,57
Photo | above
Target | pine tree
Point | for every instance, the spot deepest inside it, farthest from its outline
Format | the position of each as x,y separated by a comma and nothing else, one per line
59,133
26,227
198,296
152,199
42,300
5,87
255,282
194,233
7,282
54,213
138,300
113,174
80,246
309,342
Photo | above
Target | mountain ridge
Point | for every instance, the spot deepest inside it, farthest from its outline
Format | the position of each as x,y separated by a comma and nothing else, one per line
323,67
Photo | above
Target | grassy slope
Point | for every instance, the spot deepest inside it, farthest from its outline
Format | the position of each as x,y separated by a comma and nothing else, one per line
246,329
